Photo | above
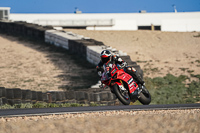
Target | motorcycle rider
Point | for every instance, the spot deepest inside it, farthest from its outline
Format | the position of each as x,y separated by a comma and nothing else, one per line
107,58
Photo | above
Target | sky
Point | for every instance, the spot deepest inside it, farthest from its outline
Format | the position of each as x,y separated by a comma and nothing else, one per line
100,6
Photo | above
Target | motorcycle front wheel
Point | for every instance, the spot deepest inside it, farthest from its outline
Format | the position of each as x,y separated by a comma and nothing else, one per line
121,95
145,96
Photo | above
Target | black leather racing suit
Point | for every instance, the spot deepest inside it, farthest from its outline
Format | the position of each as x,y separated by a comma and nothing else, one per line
117,60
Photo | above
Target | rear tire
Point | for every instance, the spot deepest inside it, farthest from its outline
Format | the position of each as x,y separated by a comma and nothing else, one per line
125,100
145,96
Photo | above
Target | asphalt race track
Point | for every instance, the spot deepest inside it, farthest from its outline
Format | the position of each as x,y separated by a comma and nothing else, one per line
49,111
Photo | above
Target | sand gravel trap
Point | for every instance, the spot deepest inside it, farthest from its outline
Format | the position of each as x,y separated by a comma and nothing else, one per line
39,67
170,121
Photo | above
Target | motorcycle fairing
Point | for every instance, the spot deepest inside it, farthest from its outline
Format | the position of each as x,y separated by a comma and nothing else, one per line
120,74
129,80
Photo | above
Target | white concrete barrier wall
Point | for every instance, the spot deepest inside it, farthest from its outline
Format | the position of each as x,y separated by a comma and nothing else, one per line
50,36
93,53
61,39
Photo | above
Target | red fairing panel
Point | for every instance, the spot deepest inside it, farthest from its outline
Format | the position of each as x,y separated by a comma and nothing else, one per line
128,78
132,85
120,74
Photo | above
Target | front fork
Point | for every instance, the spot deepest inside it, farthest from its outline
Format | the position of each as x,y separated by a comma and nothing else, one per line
121,86
135,94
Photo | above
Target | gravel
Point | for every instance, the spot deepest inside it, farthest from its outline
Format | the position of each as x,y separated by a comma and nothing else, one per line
176,121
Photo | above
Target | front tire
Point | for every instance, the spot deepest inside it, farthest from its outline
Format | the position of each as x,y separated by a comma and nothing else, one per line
123,98
145,96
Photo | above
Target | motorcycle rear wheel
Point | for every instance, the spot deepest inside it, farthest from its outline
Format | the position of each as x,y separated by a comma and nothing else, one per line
145,96
125,99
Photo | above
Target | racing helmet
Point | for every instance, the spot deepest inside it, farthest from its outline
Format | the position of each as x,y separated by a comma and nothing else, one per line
105,56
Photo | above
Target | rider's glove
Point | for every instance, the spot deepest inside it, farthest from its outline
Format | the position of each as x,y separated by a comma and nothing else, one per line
124,64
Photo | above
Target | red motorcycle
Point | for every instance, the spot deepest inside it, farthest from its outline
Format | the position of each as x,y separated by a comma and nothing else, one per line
123,85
